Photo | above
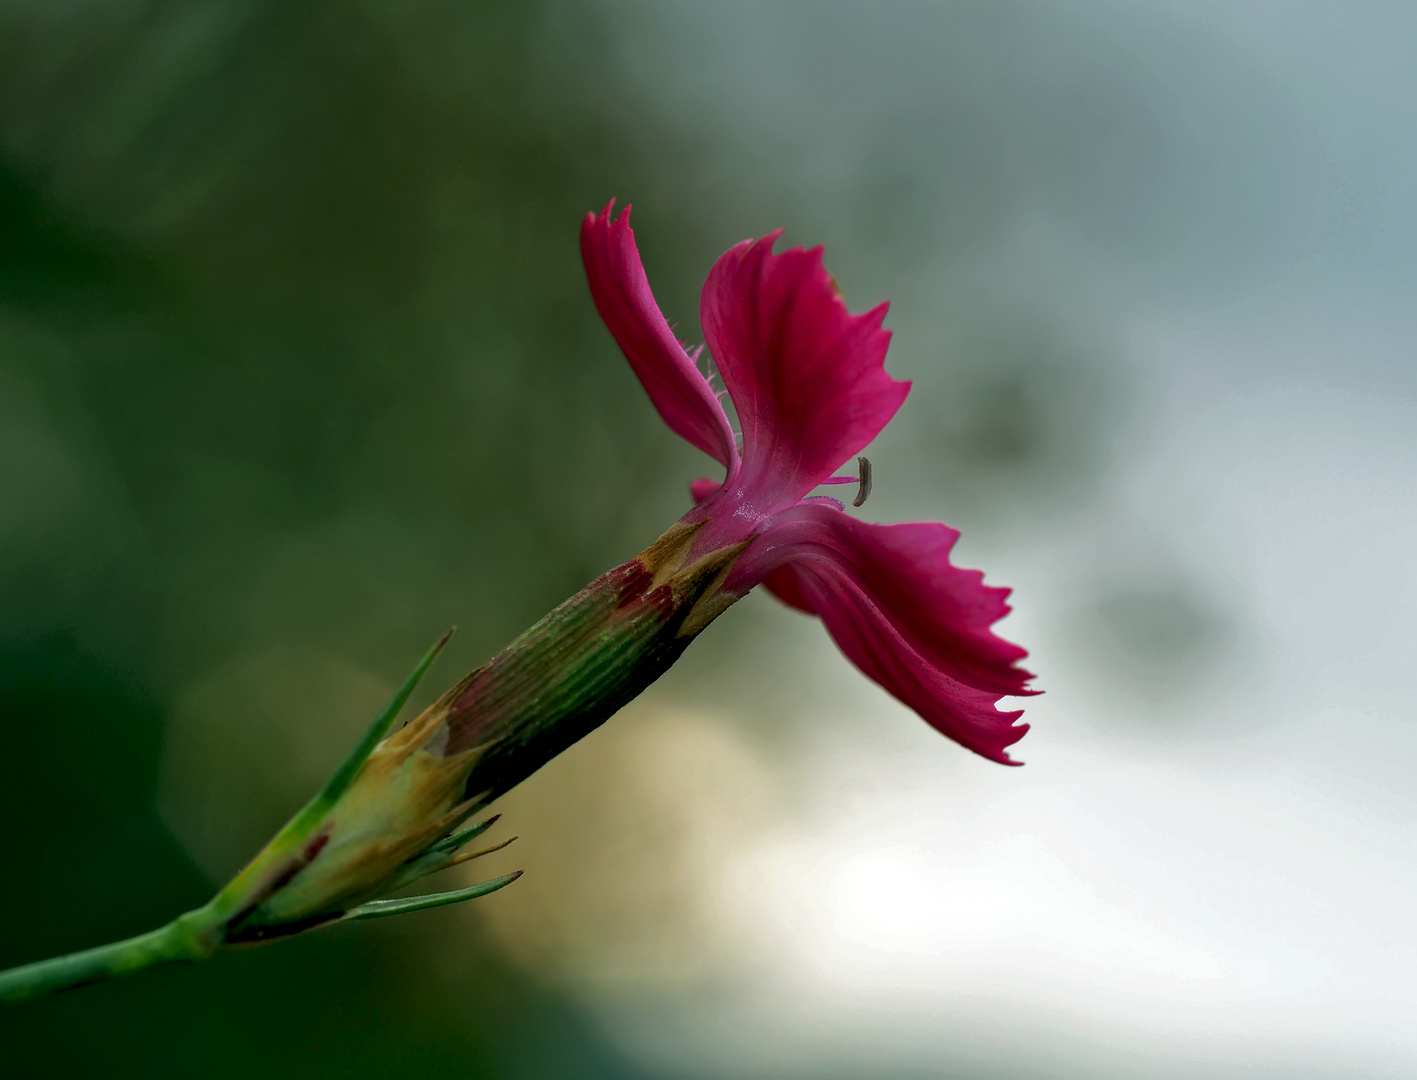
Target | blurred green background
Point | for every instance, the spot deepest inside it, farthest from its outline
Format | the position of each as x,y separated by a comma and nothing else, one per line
298,367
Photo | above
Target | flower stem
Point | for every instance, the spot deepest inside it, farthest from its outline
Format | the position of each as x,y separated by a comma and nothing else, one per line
185,938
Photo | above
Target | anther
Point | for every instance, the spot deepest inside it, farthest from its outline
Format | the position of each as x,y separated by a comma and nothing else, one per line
863,465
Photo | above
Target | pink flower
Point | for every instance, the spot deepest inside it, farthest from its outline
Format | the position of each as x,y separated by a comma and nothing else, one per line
808,381
810,389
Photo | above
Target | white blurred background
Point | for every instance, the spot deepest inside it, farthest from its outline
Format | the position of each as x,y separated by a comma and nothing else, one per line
1174,244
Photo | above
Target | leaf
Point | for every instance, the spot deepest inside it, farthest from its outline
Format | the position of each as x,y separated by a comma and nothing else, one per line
378,909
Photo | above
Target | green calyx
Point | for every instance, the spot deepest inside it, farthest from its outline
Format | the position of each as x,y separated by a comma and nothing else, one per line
584,661
395,809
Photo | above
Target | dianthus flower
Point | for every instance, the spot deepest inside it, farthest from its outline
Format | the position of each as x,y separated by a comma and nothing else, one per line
808,383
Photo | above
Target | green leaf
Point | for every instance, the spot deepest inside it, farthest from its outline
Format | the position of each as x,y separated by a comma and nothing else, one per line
239,892
458,839
378,909
342,777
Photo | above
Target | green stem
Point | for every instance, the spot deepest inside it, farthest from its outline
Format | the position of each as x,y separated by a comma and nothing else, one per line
184,938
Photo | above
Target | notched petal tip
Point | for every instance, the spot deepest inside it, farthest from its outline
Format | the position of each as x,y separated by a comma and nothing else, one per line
806,376
905,615
607,215
1018,731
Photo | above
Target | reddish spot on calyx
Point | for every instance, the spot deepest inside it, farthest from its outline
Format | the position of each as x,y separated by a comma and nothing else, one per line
315,846
635,582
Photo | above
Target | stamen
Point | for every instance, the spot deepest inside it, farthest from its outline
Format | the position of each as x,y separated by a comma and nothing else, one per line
863,464
863,479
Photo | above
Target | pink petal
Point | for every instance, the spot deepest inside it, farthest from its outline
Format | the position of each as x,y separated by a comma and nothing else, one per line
903,614
684,398
806,376
870,641
780,582
702,488
783,584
